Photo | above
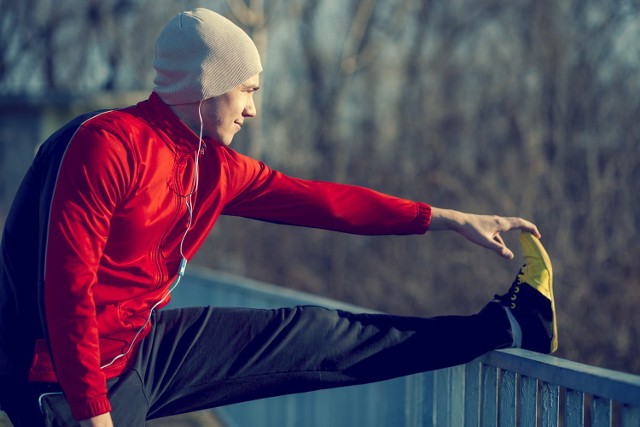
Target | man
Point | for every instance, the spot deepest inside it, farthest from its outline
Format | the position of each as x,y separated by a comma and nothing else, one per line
116,203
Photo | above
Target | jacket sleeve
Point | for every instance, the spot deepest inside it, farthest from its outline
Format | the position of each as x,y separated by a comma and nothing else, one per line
92,178
261,193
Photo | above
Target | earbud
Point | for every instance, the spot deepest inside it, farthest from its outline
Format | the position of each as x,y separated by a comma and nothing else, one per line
183,266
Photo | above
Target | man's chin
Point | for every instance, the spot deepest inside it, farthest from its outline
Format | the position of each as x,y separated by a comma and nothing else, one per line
219,140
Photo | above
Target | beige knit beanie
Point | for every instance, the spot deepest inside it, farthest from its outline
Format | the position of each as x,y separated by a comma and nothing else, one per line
201,54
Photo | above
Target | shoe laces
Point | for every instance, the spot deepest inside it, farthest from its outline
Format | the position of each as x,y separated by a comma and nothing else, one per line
509,299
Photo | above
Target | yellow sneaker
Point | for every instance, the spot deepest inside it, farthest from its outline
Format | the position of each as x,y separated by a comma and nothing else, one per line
531,300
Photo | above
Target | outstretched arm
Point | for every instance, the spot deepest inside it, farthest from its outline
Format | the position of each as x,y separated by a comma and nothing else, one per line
256,191
261,193
483,230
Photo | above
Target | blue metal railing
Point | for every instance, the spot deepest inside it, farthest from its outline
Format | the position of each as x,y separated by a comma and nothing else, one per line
506,387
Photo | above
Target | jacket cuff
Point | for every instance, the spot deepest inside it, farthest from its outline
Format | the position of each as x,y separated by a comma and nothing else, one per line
423,218
81,409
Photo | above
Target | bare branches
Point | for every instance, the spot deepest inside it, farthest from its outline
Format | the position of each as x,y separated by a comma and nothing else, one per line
250,15
355,47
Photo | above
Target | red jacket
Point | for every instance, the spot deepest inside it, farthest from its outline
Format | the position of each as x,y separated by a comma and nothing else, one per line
116,216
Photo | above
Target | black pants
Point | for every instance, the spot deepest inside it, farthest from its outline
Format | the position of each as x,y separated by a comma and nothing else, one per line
198,358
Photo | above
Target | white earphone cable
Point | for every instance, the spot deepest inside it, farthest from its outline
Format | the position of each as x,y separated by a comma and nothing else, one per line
183,262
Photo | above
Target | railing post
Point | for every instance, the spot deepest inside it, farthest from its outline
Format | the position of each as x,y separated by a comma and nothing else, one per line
508,396
528,401
550,398
443,397
429,414
472,382
574,409
601,412
630,416
457,397
415,402
489,395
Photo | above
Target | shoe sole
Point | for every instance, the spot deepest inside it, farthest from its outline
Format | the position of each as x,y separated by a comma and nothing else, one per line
531,245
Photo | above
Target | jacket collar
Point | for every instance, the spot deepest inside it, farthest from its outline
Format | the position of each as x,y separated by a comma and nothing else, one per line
160,116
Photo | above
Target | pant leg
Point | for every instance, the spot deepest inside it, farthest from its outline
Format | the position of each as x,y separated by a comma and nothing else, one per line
44,405
200,358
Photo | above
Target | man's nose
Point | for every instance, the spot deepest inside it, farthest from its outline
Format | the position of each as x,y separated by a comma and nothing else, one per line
250,108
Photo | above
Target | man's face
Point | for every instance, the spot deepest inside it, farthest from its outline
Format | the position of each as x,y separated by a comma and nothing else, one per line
224,115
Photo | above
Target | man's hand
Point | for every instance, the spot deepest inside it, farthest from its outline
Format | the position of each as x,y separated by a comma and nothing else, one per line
103,420
483,230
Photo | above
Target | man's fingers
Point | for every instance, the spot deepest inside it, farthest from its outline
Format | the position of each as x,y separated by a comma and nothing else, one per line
522,224
506,253
501,248
498,246
503,251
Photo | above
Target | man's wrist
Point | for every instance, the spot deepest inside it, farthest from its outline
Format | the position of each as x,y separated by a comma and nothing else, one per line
445,219
103,420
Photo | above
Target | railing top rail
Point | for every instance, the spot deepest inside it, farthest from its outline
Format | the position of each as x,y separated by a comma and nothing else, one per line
614,385
268,291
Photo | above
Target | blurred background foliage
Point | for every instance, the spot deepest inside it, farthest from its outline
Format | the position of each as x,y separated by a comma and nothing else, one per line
521,108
